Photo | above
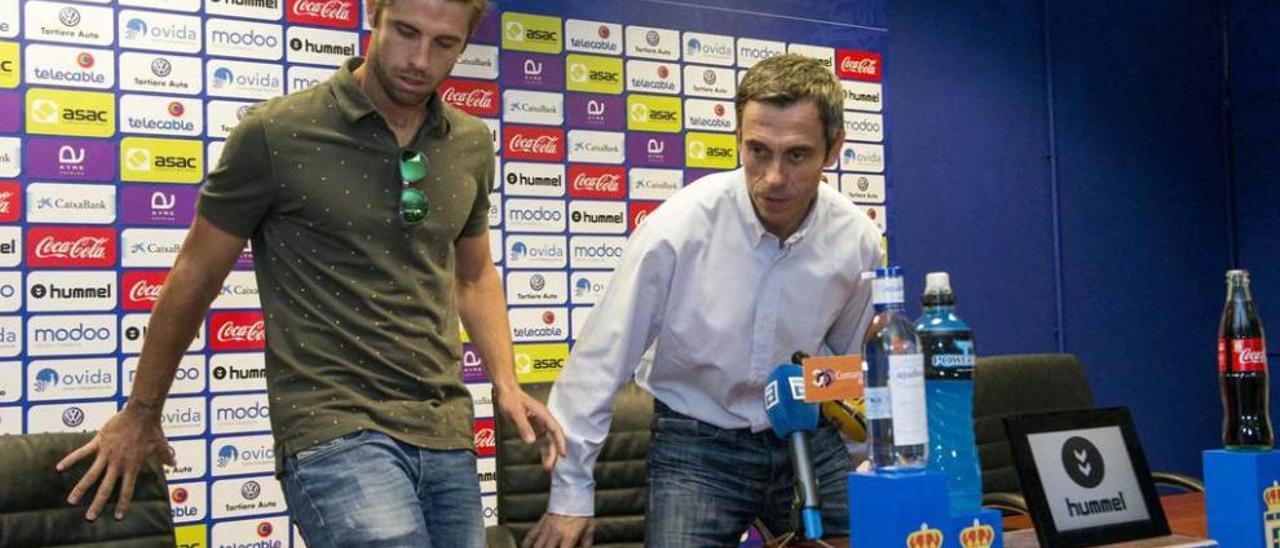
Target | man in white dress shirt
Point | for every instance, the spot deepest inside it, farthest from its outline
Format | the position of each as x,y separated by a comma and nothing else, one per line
725,281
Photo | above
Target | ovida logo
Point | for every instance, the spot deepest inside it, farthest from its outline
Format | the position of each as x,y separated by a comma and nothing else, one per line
228,455
46,379
135,28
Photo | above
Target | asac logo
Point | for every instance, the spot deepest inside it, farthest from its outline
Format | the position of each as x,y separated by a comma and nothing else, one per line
237,331
49,247
594,74
78,113
597,182
711,150
653,113
533,143
472,97
10,65
528,32
540,362
161,160
855,64
325,13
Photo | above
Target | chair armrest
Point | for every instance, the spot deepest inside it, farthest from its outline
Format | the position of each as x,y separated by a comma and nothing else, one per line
1005,502
499,536
1178,481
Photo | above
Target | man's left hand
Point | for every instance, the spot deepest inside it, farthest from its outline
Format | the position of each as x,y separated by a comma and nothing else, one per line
534,422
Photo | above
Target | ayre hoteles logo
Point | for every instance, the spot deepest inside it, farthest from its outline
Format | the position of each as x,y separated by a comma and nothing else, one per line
76,67
158,205
71,159
69,23
532,71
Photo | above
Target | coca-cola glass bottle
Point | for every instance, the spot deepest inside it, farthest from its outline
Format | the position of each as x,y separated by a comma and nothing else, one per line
1242,369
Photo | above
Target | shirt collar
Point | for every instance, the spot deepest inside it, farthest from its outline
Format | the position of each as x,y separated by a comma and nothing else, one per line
756,229
355,105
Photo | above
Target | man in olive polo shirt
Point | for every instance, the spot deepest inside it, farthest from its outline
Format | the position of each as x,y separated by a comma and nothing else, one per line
366,201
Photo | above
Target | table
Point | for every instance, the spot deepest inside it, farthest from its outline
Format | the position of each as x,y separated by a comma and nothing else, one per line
1185,512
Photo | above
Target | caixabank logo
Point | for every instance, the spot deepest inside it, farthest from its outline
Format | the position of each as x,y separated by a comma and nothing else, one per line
150,247
10,156
61,203
75,113
149,160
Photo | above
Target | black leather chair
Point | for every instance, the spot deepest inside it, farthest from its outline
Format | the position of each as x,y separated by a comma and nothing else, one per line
1029,383
34,509
523,486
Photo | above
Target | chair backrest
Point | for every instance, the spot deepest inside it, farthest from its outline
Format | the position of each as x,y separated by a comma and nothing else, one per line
1017,384
619,473
33,499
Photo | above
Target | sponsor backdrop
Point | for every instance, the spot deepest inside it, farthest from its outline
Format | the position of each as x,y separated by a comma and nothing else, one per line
113,111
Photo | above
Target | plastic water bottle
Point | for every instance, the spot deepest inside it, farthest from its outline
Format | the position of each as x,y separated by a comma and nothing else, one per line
949,359
894,371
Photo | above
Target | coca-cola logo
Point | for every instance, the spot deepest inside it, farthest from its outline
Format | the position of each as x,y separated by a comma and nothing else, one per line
86,247
233,333
533,143
1253,357
859,65
597,182
141,289
71,247
145,291
237,331
541,144
475,98
333,13
485,439
1247,355
6,201
605,182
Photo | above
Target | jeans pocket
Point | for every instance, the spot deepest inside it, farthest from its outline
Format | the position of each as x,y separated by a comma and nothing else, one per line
326,448
684,428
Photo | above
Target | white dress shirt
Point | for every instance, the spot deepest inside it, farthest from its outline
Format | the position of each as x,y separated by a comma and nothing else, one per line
722,302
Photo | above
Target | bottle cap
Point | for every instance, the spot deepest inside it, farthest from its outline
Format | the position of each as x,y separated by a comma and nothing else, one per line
938,282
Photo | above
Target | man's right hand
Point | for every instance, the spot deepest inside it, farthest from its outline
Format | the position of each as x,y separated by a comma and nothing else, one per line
557,531
123,446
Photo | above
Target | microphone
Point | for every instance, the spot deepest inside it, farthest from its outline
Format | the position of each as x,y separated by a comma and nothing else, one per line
848,415
790,418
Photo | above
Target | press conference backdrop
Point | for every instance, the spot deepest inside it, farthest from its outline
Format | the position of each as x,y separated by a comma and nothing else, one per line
113,112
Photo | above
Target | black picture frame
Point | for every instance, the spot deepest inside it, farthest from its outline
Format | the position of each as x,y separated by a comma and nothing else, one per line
1019,427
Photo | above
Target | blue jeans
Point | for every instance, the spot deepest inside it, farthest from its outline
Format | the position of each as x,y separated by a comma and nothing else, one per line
707,484
367,489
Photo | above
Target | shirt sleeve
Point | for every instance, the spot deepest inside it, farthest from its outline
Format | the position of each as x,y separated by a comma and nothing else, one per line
238,193
845,336
478,222
621,327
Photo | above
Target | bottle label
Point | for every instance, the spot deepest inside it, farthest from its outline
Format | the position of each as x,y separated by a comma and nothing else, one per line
906,388
953,361
877,400
887,291
1247,356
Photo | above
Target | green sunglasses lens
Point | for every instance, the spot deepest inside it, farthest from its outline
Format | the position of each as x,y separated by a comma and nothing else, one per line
413,166
413,205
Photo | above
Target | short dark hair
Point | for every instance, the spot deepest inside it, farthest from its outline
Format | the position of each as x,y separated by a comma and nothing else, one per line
787,79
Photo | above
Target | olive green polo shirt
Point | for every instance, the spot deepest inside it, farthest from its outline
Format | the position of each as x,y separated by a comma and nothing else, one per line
361,323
